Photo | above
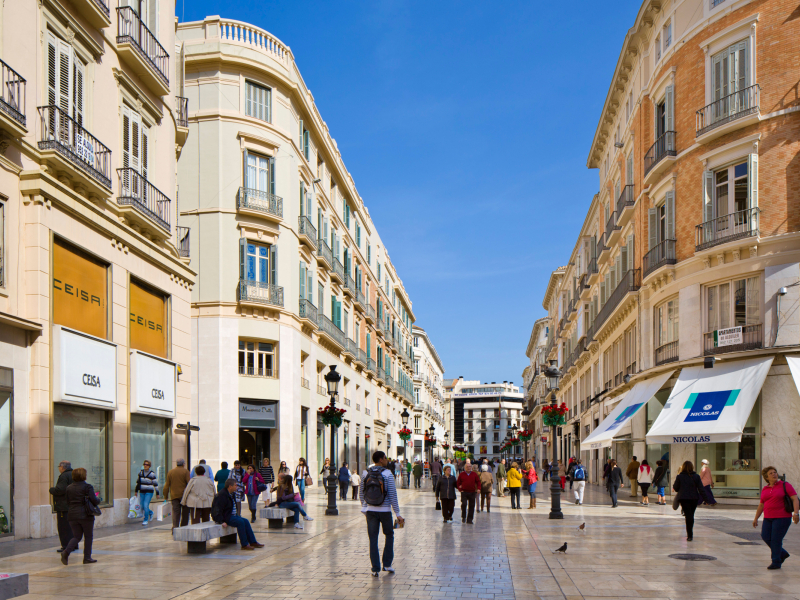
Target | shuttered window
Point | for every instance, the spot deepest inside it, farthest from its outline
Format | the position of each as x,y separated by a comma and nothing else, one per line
135,142
258,101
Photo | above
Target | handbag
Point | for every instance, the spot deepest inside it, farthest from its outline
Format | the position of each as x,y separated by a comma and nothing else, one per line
309,481
438,505
676,503
91,509
261,487
788,505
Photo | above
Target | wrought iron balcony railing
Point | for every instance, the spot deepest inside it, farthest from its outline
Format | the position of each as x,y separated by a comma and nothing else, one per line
611,224
12,94
752,339
258,291
130,29
659,255
307,310
667,353
324,251
626,199
664,146
730,108
304,227
631,282
370,365
249,198
735,226
327,326
136,191
338,268
183,240
62,133
183,111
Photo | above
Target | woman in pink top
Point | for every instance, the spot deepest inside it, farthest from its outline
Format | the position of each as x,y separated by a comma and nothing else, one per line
708,483
776,519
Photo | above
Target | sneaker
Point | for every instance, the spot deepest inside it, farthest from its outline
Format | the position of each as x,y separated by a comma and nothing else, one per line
144,523
298,525
375,573
307,518
389,569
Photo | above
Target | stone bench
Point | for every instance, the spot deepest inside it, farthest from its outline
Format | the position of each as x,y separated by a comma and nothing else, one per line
198,534
275,516
13,585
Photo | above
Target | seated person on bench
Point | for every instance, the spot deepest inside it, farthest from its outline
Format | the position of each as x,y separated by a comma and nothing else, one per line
286,499
224,511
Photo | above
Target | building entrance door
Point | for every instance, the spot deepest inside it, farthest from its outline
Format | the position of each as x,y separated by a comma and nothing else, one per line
253,446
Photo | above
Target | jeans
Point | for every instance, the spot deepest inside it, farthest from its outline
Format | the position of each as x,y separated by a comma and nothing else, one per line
468,506
532,489
579,487
296,507
709,495
355,492
515,495
343,485
144,498
302,485
84,528
375,521
448,507
689,506
246,536
434,479
773,532
612,489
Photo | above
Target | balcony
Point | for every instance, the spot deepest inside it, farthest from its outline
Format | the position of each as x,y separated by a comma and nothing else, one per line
305,383
603,249
183,241
360,302
625,204
182,120
381,375
349,287
337,274
321,390
370,365
734,111
330,331
350,348
735,226
361,358
584,289
659,255
592,273
69,147
144,204
324,254
140,49
253,371
307,232
659,157
631,282
12,101
752,338
259,204
308,312
257,292
369,315
389,382
378,329
667,353
96,12
613,230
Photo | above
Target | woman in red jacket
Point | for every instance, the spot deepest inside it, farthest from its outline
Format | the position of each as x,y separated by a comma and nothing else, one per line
533,479
251,482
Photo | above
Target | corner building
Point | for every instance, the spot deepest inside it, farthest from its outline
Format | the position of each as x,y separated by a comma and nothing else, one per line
689,251
95,287
295,276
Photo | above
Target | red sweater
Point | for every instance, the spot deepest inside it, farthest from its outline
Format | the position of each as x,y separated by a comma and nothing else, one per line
469,482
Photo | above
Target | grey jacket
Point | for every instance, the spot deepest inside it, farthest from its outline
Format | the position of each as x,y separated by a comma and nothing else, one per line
446,488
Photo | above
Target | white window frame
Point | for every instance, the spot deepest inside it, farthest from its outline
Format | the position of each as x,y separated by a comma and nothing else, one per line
262,106
663,332
751,317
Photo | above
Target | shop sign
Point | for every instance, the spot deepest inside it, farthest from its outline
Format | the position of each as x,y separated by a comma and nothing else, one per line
257,415
84,369
80,286
728,337
148,320
153,382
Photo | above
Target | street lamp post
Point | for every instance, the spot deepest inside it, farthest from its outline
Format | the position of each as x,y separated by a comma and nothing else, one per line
513,437
446,441
553,374
332,379
404,418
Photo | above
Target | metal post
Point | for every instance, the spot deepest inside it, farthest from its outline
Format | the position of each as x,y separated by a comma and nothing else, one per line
555,492
332,510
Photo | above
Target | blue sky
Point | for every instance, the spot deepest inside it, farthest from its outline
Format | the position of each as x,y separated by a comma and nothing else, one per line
466,126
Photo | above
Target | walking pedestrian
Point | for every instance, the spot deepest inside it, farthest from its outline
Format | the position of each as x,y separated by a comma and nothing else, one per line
225,513
237,474
146,487
436,471
446,493
570,466
660,481
645,478
417,474
708,483
197,497
545,469
355,480
515,485
606,471
344,481
614,481
286,498
562,474
632,472
174,487
60,504
690,491
409,468
81,519
579,478
268,475
486,487
533,479
501,478
469,484
326,469
253,485
777,518
207,469
283,468
378,496
300,474
222,476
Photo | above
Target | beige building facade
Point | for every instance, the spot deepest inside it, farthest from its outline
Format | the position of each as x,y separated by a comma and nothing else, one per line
428,409
95,290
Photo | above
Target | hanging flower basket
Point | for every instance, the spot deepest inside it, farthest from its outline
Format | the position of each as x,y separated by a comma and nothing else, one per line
430,442
513,442
554,415
331,415
446,446
405,434
525,434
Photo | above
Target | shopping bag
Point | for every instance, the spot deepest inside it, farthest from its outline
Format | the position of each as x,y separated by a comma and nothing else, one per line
438,505
134,508
163,509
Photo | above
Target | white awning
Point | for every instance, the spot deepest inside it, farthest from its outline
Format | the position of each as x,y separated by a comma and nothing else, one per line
710,405
794,367
613,424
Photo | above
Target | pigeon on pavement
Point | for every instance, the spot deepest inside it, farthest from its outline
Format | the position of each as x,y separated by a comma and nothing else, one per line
563,549
582,528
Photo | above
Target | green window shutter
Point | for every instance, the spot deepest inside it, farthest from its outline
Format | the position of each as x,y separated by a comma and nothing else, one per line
369,345
708,197
631,262
652,228
302,279
302,199
669,206
242,257
624,258
310,286
273,261
752,180
245,182
593,247
669,106
272,175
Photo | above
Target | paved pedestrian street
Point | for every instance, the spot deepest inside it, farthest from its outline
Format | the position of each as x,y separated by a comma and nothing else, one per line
505,555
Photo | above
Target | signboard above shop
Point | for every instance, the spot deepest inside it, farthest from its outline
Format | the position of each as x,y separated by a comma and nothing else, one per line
257,415
153,382
84,369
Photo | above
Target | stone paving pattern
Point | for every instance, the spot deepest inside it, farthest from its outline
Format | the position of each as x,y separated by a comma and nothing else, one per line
505,555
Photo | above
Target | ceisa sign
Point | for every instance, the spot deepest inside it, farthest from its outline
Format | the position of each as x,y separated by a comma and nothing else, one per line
153,382
85,369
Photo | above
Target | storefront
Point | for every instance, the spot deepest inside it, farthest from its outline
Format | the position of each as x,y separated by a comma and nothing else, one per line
6,452
256,420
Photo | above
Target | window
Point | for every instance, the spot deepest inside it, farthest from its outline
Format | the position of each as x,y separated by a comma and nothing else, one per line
306,283
379,274
416,367
730,73
358,235
733,304
658,48
321,297
257,101
304,142
65,82
135,137
629,169
666,323
667,35
148,442
256,358
661,221
80,435
259,173
369,254
416,395
255,262
2,243
346,217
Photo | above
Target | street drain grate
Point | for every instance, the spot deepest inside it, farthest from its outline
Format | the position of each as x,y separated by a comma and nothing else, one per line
692,557
747,543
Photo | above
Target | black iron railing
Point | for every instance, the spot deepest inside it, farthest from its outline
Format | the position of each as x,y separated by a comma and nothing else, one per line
136,191
659,255
611,225
752,338
258,291
591,268
12,94
62,133
103,5
183,240
324,251
664,146
730,108
261,201
735,226
183,111
304,227
307,310
667,353
631,281
130,29
601,243
626,199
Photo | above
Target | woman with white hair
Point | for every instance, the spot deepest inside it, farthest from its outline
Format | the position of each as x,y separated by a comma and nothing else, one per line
486,487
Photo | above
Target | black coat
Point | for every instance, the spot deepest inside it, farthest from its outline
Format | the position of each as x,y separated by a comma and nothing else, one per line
614,477
659,479
59,491
224,503
77,492
446,487
688,486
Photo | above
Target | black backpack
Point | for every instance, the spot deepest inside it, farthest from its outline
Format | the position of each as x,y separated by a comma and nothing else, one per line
374,488
216,508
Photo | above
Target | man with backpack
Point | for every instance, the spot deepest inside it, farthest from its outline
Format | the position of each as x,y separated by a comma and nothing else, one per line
378,497
223,511
578,477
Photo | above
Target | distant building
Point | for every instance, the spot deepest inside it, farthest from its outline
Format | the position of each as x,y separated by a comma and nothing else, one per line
428,409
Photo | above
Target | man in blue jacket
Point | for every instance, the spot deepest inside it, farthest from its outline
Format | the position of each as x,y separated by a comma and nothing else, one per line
226,515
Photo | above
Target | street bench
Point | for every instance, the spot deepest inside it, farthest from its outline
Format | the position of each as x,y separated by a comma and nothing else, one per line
275,516
197,534
13,585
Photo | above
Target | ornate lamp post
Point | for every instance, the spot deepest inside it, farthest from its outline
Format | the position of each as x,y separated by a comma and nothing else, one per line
404,418
553,374
332,379
447,443
514,437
